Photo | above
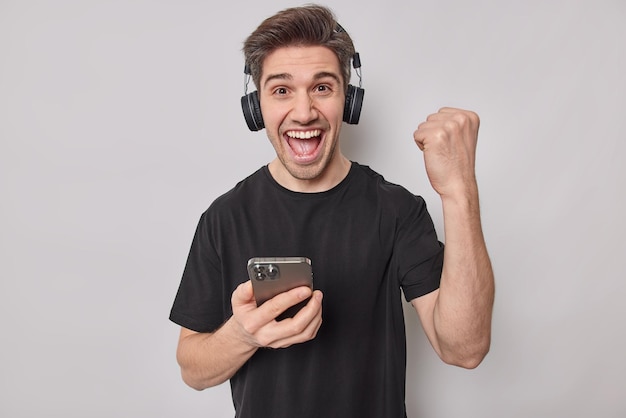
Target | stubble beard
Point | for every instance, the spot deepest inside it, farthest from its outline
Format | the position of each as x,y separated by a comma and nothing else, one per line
309,171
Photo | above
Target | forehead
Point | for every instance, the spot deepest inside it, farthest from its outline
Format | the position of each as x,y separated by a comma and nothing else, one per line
301,61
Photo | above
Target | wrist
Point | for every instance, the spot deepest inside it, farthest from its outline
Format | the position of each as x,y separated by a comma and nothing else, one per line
463,196
234,331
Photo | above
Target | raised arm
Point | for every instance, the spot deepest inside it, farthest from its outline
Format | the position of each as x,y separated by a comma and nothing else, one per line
457,316
208,359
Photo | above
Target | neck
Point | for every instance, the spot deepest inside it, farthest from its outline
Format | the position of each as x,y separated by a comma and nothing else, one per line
331,176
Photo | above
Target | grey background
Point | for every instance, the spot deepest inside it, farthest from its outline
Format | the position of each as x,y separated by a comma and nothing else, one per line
120,123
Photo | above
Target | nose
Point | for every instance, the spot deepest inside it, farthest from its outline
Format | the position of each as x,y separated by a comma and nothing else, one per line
303,111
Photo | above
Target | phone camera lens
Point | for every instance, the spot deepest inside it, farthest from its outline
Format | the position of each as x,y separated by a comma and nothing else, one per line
260,272
272,272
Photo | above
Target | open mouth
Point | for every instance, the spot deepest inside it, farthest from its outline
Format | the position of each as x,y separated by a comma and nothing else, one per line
304,143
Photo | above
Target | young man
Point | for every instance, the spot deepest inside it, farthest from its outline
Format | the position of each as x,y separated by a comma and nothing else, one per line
370,241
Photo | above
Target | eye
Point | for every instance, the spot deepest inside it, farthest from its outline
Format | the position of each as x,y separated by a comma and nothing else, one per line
323,88
280,91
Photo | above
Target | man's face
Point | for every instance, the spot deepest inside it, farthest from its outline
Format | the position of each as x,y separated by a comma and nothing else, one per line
302,99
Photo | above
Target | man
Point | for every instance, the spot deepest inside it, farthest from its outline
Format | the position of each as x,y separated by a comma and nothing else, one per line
370,241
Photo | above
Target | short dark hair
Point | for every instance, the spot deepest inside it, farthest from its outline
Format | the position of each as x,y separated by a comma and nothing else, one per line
310,25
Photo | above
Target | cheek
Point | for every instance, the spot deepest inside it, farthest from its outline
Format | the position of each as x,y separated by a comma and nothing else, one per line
272,117
334,110
272,135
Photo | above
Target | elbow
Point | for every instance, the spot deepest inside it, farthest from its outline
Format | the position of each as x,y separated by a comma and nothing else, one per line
469,363
199,384
188,374
194,375
466,358
192,383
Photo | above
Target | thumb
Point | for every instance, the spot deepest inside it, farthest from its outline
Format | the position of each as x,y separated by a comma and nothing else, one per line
243,293
419,138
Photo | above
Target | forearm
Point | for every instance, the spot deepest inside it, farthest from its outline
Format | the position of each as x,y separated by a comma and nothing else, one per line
462,314
210,359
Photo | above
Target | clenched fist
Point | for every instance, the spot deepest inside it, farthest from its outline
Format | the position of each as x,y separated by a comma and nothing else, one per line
448,139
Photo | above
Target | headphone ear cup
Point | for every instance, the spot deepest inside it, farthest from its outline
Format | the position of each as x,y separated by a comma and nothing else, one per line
251,107
354,103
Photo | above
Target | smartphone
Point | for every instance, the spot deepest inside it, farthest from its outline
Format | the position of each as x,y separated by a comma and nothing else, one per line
273,275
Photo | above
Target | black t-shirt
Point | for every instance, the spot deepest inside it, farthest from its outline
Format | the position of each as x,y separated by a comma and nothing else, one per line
368,240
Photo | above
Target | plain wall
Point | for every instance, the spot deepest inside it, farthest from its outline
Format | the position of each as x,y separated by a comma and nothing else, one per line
120,122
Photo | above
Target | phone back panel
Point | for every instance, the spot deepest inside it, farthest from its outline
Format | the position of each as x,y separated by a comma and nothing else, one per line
273,275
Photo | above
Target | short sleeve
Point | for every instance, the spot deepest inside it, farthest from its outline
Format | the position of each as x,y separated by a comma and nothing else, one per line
419,252
199,303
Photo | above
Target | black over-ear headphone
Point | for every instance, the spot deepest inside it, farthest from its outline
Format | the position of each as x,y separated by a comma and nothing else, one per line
251,105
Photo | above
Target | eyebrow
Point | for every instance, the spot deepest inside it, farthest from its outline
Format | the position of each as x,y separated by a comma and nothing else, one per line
287,76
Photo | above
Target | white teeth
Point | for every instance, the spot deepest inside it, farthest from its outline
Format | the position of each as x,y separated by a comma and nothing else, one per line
303,135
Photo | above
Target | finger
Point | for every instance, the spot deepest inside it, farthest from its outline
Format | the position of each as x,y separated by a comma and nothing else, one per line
302,327
424,134
443,113
461,116
309,333
428,127
243,294
445,116
442,128
312,307
281,302
448,109
419,142
259,323
418,135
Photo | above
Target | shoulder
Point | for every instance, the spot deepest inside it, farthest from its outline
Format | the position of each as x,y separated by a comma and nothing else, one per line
390,194
243,190
230,204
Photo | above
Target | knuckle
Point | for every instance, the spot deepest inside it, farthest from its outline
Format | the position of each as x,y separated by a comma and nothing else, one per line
473,117
274,307
248,326
310,333
281,345
454,126
468,118
264,341
298,328
442,134
234,295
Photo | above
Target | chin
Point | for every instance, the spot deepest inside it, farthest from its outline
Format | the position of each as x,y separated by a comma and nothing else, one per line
305,173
